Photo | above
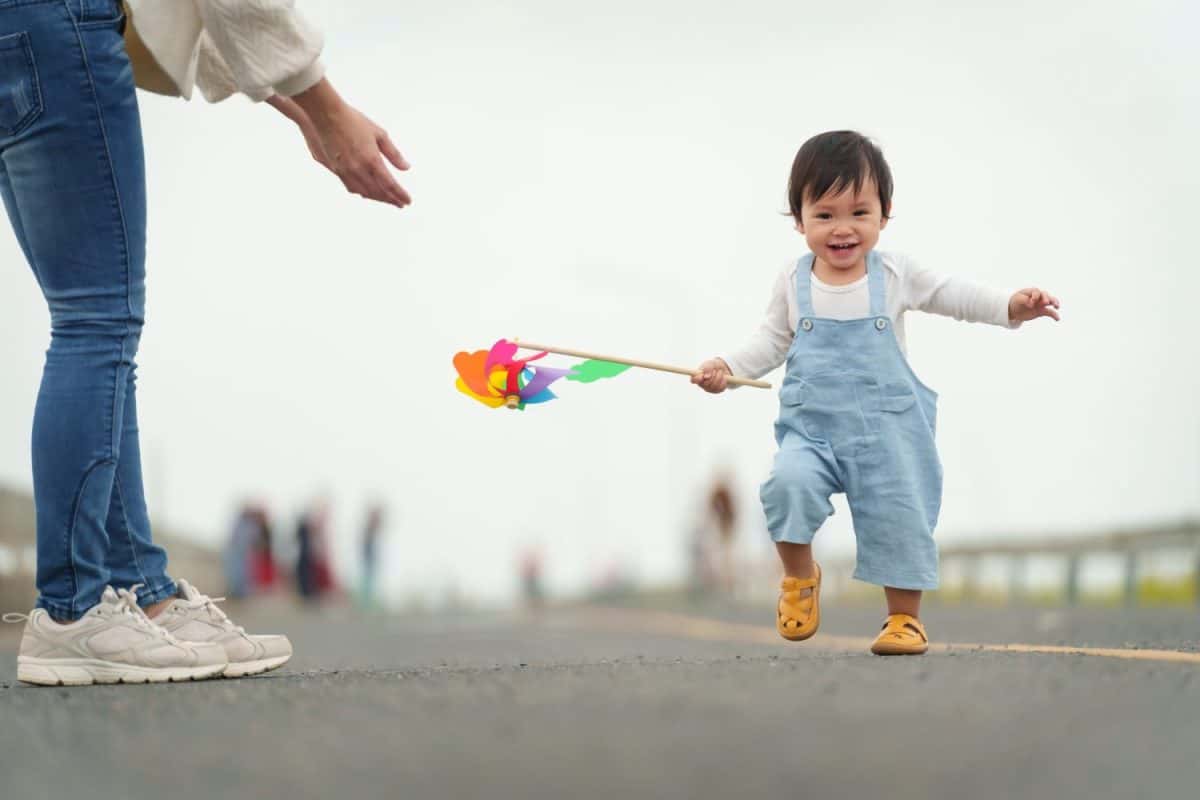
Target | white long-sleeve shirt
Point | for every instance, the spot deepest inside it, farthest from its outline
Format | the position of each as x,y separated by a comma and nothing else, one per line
255,47
909,287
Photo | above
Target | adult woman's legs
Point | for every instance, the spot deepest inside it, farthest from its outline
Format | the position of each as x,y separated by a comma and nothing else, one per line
74,187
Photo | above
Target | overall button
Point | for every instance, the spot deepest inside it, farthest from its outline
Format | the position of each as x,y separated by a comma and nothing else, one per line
880,324
806,324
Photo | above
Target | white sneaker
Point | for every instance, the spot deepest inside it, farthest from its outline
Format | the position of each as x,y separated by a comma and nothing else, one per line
194,617
114,642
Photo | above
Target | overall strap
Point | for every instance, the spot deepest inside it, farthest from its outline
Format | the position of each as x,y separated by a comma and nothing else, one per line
804,286
877,284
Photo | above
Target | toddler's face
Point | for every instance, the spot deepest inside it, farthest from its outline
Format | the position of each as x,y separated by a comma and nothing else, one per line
842,228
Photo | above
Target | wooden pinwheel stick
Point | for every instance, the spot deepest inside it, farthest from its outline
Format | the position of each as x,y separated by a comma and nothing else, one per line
733,381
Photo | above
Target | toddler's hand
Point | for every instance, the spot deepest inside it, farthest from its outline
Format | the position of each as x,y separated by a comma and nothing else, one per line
1031,303
712,376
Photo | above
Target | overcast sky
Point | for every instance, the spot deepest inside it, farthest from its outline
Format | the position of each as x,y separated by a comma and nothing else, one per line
610,177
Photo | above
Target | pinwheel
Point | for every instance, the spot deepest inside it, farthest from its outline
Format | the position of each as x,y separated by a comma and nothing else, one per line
497,377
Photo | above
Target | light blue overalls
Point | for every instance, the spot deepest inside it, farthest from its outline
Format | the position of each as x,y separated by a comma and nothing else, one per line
854,418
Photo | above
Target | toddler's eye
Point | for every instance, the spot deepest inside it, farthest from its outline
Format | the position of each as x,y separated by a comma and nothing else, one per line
861,213
824,216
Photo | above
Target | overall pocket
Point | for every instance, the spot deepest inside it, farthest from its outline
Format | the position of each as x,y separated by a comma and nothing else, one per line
837,408
20,94
898,397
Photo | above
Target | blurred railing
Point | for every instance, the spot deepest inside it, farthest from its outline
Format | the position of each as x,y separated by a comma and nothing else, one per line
1131,545
963,566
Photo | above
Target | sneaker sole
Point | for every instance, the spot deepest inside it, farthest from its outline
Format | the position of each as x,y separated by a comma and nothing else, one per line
87,671
245,669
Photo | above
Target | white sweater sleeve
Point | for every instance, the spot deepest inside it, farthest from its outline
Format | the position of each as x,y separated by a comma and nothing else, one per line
768,347
932,292
213,75
259,47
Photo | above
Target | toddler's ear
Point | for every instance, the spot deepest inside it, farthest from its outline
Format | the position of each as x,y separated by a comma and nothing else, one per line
887,217
799,227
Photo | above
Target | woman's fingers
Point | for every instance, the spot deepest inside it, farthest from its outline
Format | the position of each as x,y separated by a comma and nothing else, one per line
381,185
392,189
391,152
374,181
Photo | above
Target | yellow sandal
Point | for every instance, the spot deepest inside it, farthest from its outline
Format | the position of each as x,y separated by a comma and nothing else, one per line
902,635
797,617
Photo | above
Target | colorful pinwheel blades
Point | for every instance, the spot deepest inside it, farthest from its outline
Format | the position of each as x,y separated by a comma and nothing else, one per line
497,377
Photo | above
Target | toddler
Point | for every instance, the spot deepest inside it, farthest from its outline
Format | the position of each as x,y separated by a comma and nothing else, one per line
853,417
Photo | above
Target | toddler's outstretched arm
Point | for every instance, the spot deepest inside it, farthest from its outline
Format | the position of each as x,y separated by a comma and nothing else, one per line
965,300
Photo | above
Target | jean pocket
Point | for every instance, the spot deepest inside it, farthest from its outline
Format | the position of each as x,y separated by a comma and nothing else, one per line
86,12
20,94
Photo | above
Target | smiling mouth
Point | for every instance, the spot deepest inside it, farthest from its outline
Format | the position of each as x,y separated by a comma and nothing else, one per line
843,247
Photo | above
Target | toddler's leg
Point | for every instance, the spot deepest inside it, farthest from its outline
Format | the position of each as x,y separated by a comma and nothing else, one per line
903,601
796,501
894,498
797,559
795,498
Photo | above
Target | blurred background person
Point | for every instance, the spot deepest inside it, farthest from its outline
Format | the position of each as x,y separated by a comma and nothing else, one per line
722,514
372,531
305,576
248,559
314,569
236,558
531,568
262,569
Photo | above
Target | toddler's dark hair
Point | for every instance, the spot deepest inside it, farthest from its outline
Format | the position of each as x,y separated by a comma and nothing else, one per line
834,161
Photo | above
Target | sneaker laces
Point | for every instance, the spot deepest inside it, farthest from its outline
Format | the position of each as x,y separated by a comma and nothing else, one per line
209,604
14,618
127,604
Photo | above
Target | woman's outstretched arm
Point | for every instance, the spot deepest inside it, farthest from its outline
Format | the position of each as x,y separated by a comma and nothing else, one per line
268,50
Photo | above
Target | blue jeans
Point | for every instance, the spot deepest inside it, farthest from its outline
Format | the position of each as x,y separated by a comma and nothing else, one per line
72,174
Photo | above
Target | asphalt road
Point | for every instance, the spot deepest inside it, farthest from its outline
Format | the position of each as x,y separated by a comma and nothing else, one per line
690,702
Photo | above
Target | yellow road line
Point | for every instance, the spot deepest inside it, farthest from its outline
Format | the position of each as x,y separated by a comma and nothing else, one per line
689,627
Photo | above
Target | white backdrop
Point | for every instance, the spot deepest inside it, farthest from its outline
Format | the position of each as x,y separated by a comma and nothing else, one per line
611,177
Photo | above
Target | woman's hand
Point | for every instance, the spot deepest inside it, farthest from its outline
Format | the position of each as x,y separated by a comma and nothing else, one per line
351,146
1031,303
712,376
356,147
